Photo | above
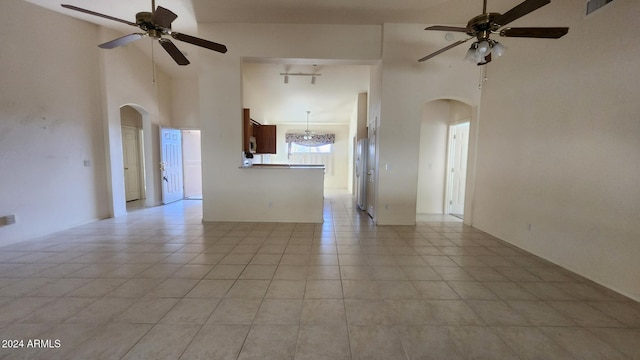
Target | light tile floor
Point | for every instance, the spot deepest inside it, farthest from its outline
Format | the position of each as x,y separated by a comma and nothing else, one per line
159,284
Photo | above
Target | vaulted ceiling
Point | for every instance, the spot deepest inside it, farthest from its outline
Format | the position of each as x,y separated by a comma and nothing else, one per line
292,11
329,89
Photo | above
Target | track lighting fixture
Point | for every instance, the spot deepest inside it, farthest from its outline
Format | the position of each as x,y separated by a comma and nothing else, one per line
312,75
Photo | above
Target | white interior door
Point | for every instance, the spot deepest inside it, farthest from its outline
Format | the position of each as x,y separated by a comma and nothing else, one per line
131,154
458,149
171,165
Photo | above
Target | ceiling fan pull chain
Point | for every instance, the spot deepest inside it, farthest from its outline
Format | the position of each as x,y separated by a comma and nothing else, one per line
153,65
483,76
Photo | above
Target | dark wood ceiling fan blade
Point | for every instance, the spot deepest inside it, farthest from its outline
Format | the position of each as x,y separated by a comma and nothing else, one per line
163,17
447,28
121,41
175,53
75,8
200,42
520,10
536,32
444,49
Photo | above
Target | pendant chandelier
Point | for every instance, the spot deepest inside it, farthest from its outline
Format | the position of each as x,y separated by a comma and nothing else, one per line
307,134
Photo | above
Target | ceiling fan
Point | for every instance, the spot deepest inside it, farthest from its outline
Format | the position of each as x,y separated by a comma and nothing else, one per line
482,26
155,24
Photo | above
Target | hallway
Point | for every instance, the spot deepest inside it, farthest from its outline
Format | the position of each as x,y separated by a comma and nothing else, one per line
159,284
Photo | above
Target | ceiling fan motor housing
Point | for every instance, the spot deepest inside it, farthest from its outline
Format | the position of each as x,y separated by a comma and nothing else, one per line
483,25
144,20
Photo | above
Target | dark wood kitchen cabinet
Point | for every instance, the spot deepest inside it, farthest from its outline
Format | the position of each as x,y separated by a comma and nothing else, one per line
265,139
257,138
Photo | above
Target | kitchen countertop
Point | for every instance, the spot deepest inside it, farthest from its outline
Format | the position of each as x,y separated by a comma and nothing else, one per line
283,166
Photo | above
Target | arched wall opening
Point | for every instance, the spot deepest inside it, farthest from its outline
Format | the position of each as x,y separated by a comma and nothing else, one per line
438,116
149,149
133,156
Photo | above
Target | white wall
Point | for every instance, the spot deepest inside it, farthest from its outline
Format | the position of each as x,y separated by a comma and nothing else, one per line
192,163
128,80
558,144
459,112
406,86
228,189
51,123
432,158
184,103
130,117
330,99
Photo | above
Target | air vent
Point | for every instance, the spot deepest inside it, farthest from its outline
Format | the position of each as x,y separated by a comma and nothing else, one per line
593,5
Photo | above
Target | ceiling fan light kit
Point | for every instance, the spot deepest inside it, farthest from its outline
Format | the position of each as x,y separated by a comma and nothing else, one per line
156,25
479,50
482,26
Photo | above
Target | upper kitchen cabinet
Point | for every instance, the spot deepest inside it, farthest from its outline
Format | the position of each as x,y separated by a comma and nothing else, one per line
258,138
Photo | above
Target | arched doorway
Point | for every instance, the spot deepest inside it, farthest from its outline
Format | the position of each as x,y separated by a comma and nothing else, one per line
440,182
149,149
133,157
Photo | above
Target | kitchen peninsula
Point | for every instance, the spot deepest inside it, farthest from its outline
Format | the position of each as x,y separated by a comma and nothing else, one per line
281,192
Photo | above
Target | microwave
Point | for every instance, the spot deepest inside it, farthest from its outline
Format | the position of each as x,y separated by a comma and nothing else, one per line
252,144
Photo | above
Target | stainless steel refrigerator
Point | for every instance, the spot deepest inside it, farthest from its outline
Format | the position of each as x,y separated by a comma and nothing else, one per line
361,173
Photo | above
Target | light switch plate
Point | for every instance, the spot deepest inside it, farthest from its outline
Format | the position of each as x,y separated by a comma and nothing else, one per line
8,220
